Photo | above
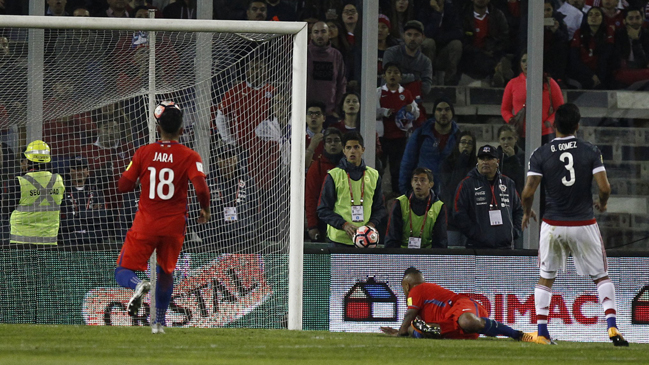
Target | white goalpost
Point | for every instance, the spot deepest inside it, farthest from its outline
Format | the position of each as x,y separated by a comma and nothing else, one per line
88,87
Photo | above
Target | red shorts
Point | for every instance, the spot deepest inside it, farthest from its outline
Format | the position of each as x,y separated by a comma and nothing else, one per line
138,248
450,327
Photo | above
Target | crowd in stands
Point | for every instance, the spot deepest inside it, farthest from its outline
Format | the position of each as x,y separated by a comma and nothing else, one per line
589,44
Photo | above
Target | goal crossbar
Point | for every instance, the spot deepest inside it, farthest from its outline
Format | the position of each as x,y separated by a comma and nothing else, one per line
171,25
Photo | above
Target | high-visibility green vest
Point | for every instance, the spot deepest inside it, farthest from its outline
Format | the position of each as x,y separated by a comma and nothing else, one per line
417,221
36,218
343,205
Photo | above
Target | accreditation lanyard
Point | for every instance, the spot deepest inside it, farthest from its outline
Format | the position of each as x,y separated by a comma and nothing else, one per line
495,215
230,212
74,201
421,233
351,193
494,201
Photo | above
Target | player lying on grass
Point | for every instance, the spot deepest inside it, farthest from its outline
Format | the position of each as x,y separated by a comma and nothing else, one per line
164,169
436,312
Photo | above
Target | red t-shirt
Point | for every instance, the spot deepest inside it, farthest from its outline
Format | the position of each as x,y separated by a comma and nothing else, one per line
65,135
108,163
615,22
318,149
432,301
587,54
481,31
164,170
441,138
394,100
247,107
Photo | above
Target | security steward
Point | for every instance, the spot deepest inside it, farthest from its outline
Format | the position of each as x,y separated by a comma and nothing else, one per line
351,195
37,197
418,220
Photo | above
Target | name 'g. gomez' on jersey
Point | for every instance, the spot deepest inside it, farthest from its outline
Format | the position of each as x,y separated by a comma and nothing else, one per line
567,166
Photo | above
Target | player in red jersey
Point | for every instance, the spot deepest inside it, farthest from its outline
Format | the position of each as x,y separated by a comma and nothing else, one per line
164,169
436,312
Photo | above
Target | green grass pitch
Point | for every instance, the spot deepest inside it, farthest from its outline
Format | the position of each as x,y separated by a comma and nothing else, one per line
44,345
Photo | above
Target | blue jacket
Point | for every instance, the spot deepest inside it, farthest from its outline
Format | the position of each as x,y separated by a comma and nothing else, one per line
423,150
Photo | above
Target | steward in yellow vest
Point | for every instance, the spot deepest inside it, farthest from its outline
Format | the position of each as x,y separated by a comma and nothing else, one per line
351,195
37,200
419,219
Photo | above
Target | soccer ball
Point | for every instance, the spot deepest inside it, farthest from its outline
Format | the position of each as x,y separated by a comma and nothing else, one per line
160,109
366,237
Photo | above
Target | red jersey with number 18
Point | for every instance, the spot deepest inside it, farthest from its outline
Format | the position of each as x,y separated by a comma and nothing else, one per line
164,170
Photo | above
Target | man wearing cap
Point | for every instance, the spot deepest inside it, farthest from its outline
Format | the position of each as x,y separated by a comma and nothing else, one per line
416,68
35,198
487,208
83,212
326,80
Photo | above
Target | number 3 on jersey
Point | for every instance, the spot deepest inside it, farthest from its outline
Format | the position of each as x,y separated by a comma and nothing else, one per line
566,157
165,178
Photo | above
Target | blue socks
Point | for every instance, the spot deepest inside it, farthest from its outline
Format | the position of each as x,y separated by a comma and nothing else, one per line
542,329
610,322
126,277
494,328
164,289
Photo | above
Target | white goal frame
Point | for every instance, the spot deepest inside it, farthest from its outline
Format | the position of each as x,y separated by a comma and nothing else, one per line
299,29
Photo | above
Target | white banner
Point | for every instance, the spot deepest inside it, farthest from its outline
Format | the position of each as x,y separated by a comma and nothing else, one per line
366,293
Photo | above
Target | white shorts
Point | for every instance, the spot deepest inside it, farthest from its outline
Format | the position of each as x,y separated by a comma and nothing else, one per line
584,243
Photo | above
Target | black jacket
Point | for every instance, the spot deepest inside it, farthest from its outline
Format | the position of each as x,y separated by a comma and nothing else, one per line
84,217
513,167
442,27
241,193
454,170
624,46
497,40
605,60
471,211
395,225
328,197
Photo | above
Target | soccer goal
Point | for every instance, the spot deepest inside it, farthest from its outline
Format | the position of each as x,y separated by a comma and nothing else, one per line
88,87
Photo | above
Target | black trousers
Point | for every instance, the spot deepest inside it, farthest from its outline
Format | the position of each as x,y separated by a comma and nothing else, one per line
393,153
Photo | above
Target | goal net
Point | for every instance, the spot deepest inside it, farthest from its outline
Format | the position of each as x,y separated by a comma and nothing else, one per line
96,82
